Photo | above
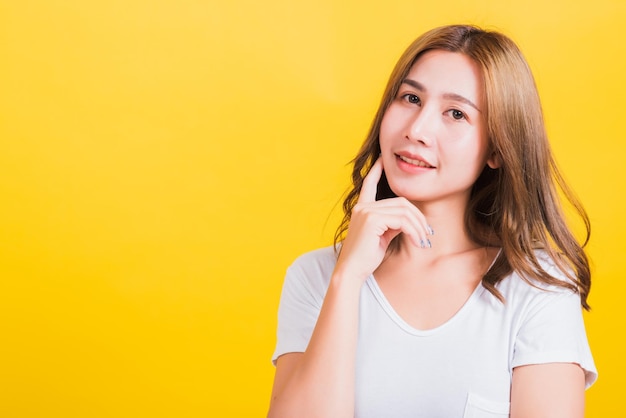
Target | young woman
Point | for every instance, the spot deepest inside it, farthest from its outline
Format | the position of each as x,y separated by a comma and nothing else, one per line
455,286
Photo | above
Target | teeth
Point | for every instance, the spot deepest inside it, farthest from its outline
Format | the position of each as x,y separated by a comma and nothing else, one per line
418,163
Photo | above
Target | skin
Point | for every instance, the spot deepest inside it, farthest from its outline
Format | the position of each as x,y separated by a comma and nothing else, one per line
437,118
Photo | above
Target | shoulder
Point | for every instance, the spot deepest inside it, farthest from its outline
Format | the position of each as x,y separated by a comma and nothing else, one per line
524,291
311,271
321,258
317,263
546,321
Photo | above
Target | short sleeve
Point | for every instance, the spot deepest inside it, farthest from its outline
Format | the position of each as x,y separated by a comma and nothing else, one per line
553,331
304,288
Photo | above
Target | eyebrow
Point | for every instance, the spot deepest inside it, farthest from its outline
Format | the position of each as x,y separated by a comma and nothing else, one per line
450,96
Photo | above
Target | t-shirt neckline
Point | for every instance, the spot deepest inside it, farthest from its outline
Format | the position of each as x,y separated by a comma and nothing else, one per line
395,317
386,305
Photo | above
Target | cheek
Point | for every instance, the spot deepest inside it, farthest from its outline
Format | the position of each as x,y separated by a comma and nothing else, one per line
384,128
473,143
390,127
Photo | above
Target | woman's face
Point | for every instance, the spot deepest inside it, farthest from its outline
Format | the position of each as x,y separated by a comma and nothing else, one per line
433,136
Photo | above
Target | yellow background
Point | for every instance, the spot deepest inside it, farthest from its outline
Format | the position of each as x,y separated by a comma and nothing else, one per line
162,162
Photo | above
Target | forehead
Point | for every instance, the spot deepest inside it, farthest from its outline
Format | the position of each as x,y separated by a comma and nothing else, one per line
442,72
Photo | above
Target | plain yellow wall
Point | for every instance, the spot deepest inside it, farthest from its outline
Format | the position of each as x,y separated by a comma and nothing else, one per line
162,162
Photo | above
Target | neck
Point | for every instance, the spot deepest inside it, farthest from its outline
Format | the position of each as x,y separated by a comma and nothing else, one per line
450,234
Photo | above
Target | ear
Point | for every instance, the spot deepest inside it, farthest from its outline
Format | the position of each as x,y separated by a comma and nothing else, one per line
494,161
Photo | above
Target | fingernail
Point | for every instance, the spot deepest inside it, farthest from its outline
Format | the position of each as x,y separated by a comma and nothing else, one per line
429,244
422,243
430,230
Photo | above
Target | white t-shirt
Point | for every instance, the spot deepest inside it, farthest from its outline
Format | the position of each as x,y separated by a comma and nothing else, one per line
462,368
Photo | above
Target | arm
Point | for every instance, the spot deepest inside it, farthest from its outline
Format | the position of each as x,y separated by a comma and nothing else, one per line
551,390
552,362
320,381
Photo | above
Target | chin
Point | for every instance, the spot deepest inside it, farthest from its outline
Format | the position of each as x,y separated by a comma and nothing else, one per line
406,192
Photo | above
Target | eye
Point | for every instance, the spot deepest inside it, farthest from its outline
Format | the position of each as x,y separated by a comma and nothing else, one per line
456,114
411,98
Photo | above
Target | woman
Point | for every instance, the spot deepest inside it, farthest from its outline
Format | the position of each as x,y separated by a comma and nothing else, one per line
457,288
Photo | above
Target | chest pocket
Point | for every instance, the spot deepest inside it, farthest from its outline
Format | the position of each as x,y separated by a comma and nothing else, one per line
477,407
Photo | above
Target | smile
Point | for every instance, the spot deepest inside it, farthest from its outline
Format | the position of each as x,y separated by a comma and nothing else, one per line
418,163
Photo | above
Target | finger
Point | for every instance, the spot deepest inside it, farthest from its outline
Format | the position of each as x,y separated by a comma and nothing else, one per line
370,182
404,204
401,216
406,221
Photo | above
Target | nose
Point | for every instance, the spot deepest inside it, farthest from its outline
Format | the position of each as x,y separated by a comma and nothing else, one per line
421,127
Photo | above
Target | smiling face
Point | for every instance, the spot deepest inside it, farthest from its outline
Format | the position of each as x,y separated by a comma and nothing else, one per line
433,135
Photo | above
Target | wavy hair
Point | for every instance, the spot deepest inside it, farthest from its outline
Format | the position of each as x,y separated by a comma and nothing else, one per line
516,206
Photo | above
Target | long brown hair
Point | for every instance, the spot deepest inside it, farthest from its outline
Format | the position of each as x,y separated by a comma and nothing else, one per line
515,206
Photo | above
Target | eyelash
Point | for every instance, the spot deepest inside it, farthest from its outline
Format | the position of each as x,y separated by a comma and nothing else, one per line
457,111
408,97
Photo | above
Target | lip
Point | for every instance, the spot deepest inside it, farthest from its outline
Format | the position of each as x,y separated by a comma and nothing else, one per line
402,155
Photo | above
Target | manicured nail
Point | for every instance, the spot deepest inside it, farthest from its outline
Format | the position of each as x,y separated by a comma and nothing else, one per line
429,244
422,243
430,230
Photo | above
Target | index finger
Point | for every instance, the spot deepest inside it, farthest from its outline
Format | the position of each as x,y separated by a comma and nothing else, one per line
370,182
